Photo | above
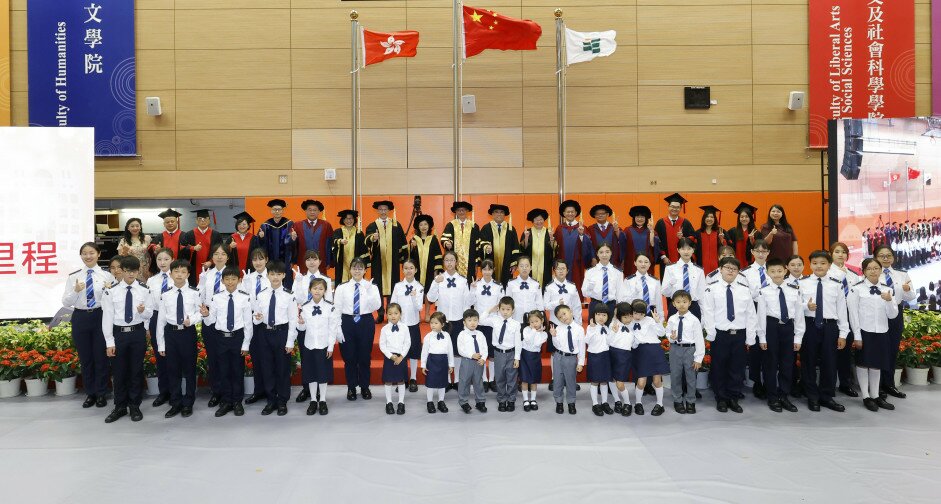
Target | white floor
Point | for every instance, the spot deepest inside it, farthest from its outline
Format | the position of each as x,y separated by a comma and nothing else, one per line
52,450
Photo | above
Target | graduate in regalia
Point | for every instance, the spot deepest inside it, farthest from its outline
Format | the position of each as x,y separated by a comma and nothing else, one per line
463,237
639,238
571,243
243,241
198,242
425,250
385,239
313,233
608,233
277,236
499,243
539,244
346,244
169,238
670,229
743,235
709,239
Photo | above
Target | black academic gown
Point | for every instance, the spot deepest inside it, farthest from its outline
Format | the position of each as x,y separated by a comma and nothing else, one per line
511,249
399,253
338,253
432,264
473,253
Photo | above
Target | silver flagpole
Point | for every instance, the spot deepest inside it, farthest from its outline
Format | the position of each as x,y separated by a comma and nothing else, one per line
906,191
560,96
354,102
458,56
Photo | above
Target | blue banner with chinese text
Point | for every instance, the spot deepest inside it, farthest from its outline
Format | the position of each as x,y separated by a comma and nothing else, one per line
82,69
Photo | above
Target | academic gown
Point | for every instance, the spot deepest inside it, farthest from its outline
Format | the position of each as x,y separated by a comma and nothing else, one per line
511,249
243,249
544,260
338,252
399,249
666,232
742,245
468,261
165,240
707,249
637,240
612,237
277,240
209,239
427,254
576,252
316,238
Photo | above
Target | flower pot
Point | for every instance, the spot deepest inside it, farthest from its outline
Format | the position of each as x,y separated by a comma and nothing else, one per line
916,376
702,380
249,385
152,386
37,387
10,388
898,376
936,373
66,387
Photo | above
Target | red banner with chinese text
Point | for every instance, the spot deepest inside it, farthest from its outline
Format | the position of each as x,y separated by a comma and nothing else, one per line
861,59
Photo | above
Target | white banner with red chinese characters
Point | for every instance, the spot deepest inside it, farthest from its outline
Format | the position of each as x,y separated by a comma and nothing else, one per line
48,195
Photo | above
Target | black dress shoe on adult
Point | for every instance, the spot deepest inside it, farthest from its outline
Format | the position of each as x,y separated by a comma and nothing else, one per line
412,386
366,393
282,409
679,408
312,408
214,401
551,387
501,407
136,415
351,394
481,407
466,408
882,403
617,406
606,408
722,406
596,409
894,392
442,407
775,406
89,402
849,391
813,405
238,409
224,409
698,395
511,406
187,411
173,411
734,406
572,409
390,409
161,400
268,409
101,401
657,410
115,414
323,408
788,405
304,395
833,405
870,404
400,409
638,409
559,408
252,399
431,407
690,408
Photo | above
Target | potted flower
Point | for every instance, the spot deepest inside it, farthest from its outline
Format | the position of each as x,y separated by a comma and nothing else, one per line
202,363
249,373
10,373
934,357
150,371
65,368
35,368
914,357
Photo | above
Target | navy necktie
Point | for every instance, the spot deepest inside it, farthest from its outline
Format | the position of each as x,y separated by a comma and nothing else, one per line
524,285
485,290
643,284
604,284
761,276
686,278
679,331
217,287
562,289
272,307
315,310
90,290
179,307
356,302
440,335
785,316
571,341
502,332
874,290
818,313
395,327
888,277
129,306
729,304
846,287
452,282
257,285
165,285
476,346
230,314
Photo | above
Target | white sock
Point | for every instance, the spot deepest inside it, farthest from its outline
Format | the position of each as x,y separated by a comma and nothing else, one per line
639,395
614,390
862,376
490,372
626,393
525,394
875,376
593,390
388,393
440,394
313,391
604,393
431,394
322,388
659,391
532,394
401,393
457,369
414,368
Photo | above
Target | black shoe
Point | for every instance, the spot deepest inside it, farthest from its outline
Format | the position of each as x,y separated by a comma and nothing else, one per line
657,410
481,407
734,406
161,400
101,401
698,395
775,406
759,391
214,401
638,409
833,405
367,395
238,409
431,407
136,415
400,409
252,399
511,406
596,409
187,411
323,410
882,403
894,392
304,395
788,405
268,409
559,408
390,409
282,409
870,404
351,394
617,406
606,408
690,408
796,393
850,391
526,407
722,406
466,407
115,414
679,408
89,402
626,410
533,405
173,411
501,407
312,408
551,387
572,409
223,409
412,386
813,405
442,407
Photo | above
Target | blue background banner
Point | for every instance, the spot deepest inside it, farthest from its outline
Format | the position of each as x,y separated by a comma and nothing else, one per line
82,69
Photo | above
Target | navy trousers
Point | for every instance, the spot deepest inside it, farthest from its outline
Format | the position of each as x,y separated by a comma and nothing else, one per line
275,364
255,350
211,340
231,367
819,344
895,338
163,382
778,362
357,348
89,341
181,363
728,364
128,365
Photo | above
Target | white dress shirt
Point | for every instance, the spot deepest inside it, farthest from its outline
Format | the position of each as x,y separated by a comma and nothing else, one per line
715,310
834,302
302,287
481,301
207,284
526,299
452,301
411,303
593,285
769,305
634,289
692,333
554,296
899,278
596,338
532,340
649,331
868,311
512,337
753,278
673,280
561,340
394,342
101,280
155,286
847,276
432,344
321,323
620,337
285,311
369,298
219,309
166,311
465,343
112,305
250,282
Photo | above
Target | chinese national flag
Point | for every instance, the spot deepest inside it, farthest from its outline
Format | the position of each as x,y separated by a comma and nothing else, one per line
485,29
913,173
378,46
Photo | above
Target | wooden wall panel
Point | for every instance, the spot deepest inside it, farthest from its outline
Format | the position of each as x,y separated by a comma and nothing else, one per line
689,25
5,37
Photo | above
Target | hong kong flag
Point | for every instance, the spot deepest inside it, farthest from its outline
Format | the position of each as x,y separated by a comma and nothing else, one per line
378,46
485,29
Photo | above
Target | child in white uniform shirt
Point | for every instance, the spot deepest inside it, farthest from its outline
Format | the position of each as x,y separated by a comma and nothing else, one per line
603,283
756,276
210,283
780,332
410,296
472,349
302,295
394,342
598,358
871,305
526,292
158,284
687,350
320,321
252,283
507,346
902,290
560,292
648,357
844,358
484,295
276,326
569,356
437,361
641,285
450,294
534,335
685,274
175,337
621,342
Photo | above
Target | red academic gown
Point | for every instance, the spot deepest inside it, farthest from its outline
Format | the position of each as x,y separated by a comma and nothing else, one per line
166,240
321,245
243,248
707,249
193,238
610,236
576,253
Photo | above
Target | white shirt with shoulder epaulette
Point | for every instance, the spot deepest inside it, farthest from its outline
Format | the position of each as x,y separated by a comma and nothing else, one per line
834,302
166,311
321,323
634,289
101,280
112,305
155,285
899,279
527,299
411,303
752,276
593,285
769,305
848,277
673,280
868,311
207,284
251,281
302,287
242,318
715,316
285,311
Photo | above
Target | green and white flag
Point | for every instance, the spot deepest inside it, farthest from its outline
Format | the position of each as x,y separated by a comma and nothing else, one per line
581,47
